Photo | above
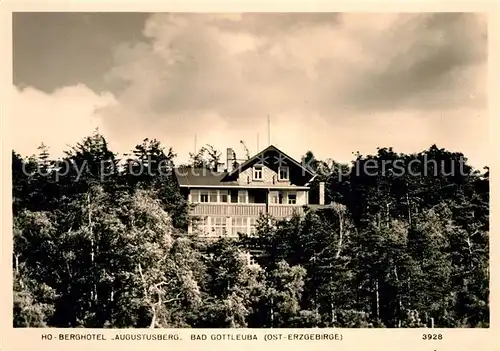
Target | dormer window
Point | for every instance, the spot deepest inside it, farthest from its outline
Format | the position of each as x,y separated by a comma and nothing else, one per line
283,173
257,172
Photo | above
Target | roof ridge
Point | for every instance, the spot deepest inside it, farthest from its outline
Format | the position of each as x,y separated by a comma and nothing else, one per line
271,146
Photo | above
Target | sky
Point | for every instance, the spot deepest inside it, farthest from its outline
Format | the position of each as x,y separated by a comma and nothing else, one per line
332,83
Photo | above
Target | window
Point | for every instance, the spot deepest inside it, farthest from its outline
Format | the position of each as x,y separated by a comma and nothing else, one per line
283,173
292,199
253,226
219,226
242,197
195,196
280,198
257,172
223,194
204,196
234,196
274,197
250,259
203,225
238,225
213,196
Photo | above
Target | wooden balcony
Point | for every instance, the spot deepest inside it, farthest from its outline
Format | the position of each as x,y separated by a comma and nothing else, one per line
283,211
249,210
228,209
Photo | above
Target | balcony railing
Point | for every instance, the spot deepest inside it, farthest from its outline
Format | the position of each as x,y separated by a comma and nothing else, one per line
224,209
250,210
283,211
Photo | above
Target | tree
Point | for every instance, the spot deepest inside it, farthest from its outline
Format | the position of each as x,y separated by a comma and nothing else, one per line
151,167
207,157
282,296
231,287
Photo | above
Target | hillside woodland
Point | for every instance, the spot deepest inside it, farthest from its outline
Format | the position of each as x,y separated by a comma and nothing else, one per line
102,245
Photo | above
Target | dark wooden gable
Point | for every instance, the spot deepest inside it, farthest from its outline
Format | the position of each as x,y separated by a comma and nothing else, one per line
272,158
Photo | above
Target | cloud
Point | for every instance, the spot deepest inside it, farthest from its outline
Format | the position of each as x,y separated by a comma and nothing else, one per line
273,24
332,83
57,120
428,61
57,49
237,66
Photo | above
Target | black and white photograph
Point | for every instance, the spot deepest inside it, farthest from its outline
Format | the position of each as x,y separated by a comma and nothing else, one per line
250,170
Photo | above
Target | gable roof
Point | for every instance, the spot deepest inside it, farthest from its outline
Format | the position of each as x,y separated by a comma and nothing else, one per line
245,164
198,177
187,176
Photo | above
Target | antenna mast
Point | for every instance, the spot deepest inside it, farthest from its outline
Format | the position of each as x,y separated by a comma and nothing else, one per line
268,130
195,144
257,142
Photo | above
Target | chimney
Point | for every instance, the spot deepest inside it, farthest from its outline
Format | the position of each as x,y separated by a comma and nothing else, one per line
303,164
230,159
321,193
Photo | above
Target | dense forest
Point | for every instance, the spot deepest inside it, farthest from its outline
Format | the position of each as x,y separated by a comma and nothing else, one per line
99,245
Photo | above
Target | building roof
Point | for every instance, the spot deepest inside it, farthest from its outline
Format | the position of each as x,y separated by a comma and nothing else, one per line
197,177
187,176
244,165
